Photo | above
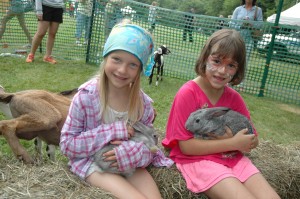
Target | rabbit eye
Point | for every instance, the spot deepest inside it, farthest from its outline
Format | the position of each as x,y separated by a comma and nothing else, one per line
197,120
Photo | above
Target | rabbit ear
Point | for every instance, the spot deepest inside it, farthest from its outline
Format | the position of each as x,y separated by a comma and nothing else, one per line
139,126
217,112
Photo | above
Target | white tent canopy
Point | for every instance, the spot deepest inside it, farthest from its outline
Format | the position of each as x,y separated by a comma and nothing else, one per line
290,16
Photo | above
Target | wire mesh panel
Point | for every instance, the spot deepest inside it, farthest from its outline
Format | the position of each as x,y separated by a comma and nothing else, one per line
15,28
282,81
273,65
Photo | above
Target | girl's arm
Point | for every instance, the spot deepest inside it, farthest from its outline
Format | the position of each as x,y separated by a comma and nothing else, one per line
38,7
235,13
241,142
79,140
131,155
237,23
259,14
259,19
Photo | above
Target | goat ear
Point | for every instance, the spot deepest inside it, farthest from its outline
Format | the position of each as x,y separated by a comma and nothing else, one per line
6,98
159,51
69,92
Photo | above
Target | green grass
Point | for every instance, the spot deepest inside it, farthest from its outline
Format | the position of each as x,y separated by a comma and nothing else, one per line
274,120
281,84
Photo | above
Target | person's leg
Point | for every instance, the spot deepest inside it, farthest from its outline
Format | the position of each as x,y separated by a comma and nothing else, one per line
87,28
190,35
184,34
53,27
260,188
21,18
249,47
79,26
139,179
229,188
115,184
39,35
153,26
4,21
37,39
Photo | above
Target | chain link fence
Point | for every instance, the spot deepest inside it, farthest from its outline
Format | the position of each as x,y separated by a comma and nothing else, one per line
273,58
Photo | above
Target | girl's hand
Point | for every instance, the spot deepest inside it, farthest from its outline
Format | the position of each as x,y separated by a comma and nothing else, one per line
40,17
244,142
255,142
130,131
110,156
228,134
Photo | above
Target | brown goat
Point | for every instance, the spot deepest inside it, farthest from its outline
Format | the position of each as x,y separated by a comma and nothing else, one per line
36,114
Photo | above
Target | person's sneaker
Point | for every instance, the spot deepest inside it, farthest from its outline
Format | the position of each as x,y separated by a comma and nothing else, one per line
77,43
5,45
30,58
50,60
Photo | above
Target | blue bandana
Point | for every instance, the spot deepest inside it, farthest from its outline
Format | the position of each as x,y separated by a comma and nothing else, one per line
133,39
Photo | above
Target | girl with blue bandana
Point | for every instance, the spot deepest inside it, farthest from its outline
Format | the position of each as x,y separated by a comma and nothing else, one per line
99,115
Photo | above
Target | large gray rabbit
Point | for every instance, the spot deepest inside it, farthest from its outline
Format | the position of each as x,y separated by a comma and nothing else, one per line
209,123
142,133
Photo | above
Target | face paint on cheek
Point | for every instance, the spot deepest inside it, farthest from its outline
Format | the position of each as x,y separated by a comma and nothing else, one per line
211,68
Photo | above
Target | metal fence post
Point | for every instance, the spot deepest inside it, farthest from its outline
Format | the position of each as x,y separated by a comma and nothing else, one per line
270,51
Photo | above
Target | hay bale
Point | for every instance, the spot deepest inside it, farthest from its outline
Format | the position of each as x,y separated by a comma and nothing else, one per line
48,180
171,184
279,164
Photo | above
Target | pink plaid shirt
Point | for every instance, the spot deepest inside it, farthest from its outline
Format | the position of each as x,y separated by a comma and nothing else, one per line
83,134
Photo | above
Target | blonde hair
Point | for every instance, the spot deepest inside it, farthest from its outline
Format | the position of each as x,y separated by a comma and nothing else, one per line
136,105
154,3
224,43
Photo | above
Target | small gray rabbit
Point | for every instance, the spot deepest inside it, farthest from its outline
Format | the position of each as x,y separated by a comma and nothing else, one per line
142,133
209,123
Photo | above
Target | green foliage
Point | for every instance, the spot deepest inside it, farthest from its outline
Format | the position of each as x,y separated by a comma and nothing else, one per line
213,8
220,7
229,6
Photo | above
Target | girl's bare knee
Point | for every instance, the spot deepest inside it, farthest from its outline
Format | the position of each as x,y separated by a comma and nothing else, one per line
115,184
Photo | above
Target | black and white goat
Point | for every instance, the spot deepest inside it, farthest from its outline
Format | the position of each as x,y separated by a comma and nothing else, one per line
159,63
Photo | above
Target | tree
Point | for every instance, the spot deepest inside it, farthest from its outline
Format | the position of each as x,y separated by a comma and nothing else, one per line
214,7
229,6
186,5
219,7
